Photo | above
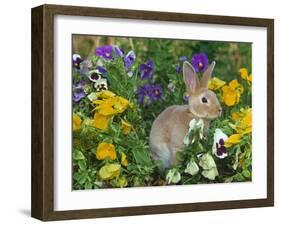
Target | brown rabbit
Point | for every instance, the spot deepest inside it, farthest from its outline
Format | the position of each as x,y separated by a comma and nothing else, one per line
170,127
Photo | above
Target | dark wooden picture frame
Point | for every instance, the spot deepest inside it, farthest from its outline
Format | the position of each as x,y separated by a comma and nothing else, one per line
42,203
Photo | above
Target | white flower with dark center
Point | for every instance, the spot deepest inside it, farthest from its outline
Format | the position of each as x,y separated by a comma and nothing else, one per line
219,149
101,85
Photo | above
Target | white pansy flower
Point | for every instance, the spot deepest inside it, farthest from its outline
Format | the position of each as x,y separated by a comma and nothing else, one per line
194,124
211,174
219,150
206,161
192,168
173,176
208,164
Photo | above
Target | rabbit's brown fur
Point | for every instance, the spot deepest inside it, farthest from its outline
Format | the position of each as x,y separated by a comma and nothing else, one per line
170,127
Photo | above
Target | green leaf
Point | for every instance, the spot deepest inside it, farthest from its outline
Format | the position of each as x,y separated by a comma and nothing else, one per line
246,173
200,146
80,177
78,155
83,177
239,177
82,164
88,185
141,157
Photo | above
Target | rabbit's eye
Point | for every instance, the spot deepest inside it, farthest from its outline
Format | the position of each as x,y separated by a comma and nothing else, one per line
204,100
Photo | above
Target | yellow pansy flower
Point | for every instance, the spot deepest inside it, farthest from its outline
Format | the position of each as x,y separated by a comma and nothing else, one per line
76,122
234,84
109,171
126,127
245,124
233,139
243,120
231,93
107,106
101,121
124,161
245,75
122,182
215,83
235,116
229,96
106,150
111,106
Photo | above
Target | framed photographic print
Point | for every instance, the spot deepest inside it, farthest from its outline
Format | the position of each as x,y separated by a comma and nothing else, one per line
140,112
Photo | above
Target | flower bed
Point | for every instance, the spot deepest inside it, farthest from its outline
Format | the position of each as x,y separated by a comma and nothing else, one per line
119,90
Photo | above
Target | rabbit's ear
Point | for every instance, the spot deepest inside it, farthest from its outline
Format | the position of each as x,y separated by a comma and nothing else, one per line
190,77
207,75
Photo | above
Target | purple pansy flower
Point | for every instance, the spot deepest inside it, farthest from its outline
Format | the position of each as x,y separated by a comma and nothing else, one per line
183,58
118,51
154,91
101,69
178,69
105,52
76,60
78,94
129,59
141,94
78,91
149,92
147,70
200,62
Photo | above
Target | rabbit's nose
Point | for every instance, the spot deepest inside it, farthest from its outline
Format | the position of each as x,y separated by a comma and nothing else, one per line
219,111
